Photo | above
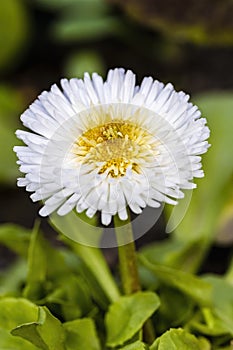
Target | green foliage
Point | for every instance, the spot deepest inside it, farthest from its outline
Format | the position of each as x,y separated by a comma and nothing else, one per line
12,278
13,31
192,286
85,29
83,20
127,316
15,238
175,310
48,281
8,342
10,106
193,26
61,301
14,312
81,334
177,339
218,319
180,293
138,345
84,61
73,225
46,333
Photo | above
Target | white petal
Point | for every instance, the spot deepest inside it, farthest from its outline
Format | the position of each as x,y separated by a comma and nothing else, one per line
106,218
165,150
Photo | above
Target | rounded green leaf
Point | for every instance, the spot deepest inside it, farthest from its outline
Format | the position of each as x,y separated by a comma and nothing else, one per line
47,332
138,345
16,311
222,301
127,316
81,334
8,342
177,339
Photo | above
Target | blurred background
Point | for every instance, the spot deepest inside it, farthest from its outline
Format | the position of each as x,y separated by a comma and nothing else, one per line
188,43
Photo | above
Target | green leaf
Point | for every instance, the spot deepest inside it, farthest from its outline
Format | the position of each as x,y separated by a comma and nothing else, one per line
77,266
12,278
13,31
173,252
77,296
225,223
51,279
81,229
229,273
222,302
8,342
45,264
16,238
37,266
86,29
47,332
81,334
178,339
194,287
127,316
207,322
16,311
10,107
8,172
11,103
78,227
138,345
175,310
73,295
84,61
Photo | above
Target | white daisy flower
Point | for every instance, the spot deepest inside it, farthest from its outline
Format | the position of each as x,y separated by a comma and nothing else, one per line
105,146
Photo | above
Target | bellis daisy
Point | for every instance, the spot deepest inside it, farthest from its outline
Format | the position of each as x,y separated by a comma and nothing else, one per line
107,145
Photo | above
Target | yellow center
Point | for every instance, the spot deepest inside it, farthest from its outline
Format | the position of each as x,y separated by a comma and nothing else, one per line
114,147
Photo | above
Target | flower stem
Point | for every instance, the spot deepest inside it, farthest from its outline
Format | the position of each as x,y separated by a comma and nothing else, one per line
129,268
127,256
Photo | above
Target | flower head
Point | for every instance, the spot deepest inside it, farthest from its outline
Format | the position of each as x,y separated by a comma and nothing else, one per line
105,146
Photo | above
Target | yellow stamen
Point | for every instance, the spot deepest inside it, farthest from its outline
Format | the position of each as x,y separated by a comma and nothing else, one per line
114,147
